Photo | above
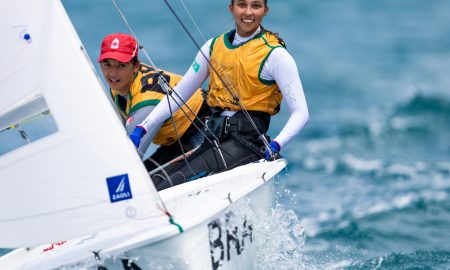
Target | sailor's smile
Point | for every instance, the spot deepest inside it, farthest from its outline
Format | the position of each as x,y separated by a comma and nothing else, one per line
113,81
248,20
118,75
248,15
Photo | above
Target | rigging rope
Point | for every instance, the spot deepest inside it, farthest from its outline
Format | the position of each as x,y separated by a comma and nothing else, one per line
134,35
193,20
161,78
166,85
204,40
171,91
153,65
21,131
235,97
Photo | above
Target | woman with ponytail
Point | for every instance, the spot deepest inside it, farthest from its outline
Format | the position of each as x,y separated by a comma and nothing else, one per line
250,72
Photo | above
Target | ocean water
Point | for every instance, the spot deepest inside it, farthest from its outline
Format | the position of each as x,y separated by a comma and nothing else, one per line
368,180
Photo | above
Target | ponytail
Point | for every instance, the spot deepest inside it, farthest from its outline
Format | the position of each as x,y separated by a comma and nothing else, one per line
276,35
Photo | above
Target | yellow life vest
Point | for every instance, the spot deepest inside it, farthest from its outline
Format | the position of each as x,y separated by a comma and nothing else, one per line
240,68
145,91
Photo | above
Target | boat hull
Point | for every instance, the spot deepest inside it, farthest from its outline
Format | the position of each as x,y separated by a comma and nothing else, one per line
214,225
225,241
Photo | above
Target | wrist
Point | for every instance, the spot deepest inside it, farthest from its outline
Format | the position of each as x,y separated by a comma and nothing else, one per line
142,129
278,145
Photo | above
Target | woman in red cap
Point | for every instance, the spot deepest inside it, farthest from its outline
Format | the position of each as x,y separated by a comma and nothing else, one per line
250,71
135,90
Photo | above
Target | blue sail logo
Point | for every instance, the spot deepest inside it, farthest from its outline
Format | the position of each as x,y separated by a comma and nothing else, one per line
119,188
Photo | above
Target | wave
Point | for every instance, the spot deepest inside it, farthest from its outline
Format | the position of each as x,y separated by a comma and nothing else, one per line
422,115
416,125
280,242
361,221
348,242
420,104
350,164
420,259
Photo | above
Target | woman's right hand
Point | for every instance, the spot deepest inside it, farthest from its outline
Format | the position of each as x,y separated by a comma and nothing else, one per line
137,134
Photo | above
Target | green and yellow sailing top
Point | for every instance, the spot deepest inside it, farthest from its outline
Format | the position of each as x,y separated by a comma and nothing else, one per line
145,91
240,66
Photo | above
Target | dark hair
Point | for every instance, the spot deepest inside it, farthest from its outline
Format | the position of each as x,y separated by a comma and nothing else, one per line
265,2
276,35
134,60
268,31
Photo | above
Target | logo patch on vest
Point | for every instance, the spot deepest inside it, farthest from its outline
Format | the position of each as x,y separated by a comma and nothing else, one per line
129,121
119,188
195,66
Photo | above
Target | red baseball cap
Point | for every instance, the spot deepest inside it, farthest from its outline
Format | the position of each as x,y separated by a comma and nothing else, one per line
118,46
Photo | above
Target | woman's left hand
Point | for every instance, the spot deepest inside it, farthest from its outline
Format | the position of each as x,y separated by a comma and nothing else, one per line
275,148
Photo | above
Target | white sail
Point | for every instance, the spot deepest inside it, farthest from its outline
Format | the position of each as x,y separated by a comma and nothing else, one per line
85,175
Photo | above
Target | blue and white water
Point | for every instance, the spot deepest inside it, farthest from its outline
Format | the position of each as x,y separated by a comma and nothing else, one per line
368,182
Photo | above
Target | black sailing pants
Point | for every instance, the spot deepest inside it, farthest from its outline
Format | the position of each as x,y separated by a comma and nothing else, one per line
241,145
205,161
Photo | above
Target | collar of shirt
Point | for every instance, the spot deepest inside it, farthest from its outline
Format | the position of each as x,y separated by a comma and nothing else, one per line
239,40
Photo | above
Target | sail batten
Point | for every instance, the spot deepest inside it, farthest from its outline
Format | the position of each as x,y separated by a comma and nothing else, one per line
73,171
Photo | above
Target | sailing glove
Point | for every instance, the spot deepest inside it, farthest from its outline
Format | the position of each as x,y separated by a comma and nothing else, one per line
137,134
275,147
